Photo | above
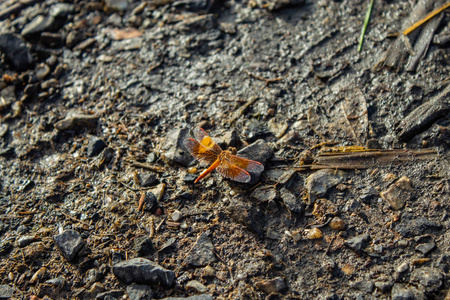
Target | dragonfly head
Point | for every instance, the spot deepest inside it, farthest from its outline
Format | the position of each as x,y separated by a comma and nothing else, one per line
232,150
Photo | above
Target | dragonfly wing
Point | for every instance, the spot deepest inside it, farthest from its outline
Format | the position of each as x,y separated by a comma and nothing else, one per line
200,152
203,138
246,164
233,172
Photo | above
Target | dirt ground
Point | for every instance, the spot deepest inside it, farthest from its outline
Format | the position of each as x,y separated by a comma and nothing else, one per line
97,191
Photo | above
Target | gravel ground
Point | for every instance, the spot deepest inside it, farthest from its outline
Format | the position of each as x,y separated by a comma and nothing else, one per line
97,191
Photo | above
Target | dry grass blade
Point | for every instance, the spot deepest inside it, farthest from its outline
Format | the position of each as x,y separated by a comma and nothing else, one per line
426,18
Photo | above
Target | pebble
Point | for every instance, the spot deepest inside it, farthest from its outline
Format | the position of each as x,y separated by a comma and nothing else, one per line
202,253
7,97
195,297
247,214
143,271
318,183
431,279
313,233
34,251
209,271
25,240
177,215
401,291
410,226
16,51
383,286
280,176
42,71
38,275
363,285
398,193
358,243
146,179
277,129
172,149
275,285
293,204
61,10
169,245
337,224
116,5
70,243
38,25
264,193
109,295
402,268
158,191
195,285
139,292
425,248
76,121
143,246
6,291
95,146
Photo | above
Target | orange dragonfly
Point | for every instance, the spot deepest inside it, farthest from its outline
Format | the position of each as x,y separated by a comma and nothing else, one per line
207,152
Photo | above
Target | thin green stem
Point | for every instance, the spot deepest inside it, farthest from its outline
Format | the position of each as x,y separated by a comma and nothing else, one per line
366,23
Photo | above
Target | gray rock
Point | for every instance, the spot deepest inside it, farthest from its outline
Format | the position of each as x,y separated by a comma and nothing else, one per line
95,146
108,295
247,214
279,175
405,292
169,245
116,5
264,193
358,243
7,97
76,121
139,292
70,243
425,248
202,253
25,240
363,285
38,25
398,193
292,203
318,183
143,246
147,179
410,226
196,286
16,51
431,279
383,286
173,148
6,291
144,271
61,10
195,297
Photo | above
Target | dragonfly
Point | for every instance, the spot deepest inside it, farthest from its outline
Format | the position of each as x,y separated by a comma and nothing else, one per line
226,162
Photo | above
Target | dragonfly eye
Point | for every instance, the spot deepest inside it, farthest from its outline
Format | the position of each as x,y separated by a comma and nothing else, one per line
232,150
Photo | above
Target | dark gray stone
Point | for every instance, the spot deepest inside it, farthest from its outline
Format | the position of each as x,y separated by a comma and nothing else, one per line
202,253
426,248
38,25
139,292
410,226
143,271
169,245
318,183
173,148
247,214
25,240
294,204
70,243
363,285
147,179
195,297
16,50
95,146
143,246
358,243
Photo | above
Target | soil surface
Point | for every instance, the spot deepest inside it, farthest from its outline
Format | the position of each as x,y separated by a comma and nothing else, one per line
97,191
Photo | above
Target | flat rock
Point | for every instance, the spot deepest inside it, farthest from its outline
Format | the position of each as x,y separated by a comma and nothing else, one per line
363,285
147,179
402,291
195,297
16,51
410,226
264,193
275,285
143,271
358,243
202,253
8,97
247,214
76,121
398,193
195,285
431,279
294,204
6,291
173,149
95,146
38,25
139,292
318,183
425,248
70,243
143,246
